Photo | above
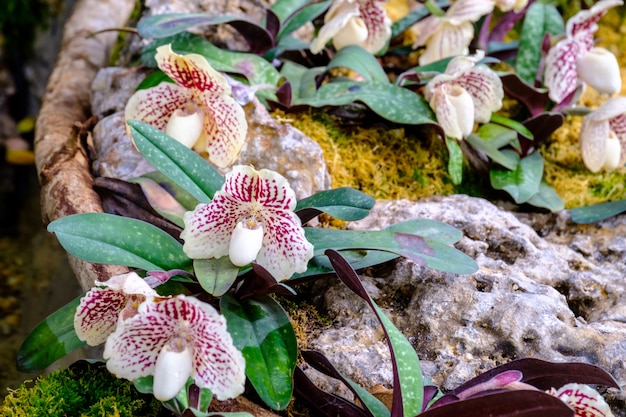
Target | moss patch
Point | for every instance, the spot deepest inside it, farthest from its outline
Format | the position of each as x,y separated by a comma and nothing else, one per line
83,389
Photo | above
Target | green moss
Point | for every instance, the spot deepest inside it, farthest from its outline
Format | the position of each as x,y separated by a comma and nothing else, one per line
83,389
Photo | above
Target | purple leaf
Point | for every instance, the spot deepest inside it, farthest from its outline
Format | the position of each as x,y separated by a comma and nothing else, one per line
259,281
541,126
272,24
326,404
535,100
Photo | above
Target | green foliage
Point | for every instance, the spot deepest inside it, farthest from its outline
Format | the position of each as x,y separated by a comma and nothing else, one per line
84,389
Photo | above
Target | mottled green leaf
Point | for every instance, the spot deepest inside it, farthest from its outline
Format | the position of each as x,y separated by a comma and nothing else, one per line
597,212
52,339
262,331
174,160
389,101
116,240
359,60
215,276
344,203
540,19
455,160
522,182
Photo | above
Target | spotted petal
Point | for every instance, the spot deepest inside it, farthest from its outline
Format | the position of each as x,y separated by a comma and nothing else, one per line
561,77
449,39
191,71
155,105
585,22
132,350
596,127
486,90
101,308
224,131
377,23
469,10
584,400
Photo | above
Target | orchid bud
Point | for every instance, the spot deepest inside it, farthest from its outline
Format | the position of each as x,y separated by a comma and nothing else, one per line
599,68
245,243
463,105
353,33
173,367
185,125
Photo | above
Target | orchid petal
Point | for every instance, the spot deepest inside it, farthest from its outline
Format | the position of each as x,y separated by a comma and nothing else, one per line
353,33
100,309
132,350
424,29
447,112
245,244
377,23
447,40
185,125
156,105
173,368
469,10
593,137
337,17
618,127
486,90
585,401
613,153
191,71
585,22
560,75
224,131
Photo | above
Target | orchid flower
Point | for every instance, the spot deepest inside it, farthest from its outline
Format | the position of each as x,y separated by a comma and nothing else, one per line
603,136
574,60
198,110
508,5
450,34
354,22
465,93
584,400
175,339
250,218
101,308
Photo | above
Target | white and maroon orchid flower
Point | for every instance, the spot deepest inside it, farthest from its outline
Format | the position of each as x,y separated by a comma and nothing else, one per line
250,218
584,400
450,34
198,110
603,136
354,22
574,60
101,309
175,339
465,93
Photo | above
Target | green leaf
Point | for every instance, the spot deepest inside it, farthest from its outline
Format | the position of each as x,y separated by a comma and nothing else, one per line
343,203
547,197
394,103
153,79
285,8
182,165
109,239
262,331
522,182
163,25
403,239
491,146
216,276
512,124
359,60
300,17
455,160
180,402
52,339
597,212
256,70
540,19
409,20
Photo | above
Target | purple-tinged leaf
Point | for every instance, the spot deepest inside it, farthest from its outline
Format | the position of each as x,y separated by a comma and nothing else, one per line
541,126
430,391
326,404
534,99
272,24
545,375
504,404
258,281
407,375
373,406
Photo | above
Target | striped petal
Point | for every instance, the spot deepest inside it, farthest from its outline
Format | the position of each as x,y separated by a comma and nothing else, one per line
191,71
377,23
156,105
469,10
133,349
561,77
449,39
224,131
485,88
101,308
585,22
262,197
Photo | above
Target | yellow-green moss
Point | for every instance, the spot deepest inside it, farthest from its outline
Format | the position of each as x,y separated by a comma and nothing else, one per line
85,390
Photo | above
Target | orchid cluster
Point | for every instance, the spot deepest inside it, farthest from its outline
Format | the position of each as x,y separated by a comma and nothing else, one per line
196,309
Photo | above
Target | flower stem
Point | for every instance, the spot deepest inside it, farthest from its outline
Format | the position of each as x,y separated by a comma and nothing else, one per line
434,8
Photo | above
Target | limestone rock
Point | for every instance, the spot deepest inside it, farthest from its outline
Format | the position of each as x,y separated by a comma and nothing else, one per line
533,296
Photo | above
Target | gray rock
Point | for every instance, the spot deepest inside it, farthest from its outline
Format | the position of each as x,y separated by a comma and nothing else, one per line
532,296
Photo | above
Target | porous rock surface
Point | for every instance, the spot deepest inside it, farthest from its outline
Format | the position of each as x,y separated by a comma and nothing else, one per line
546,288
